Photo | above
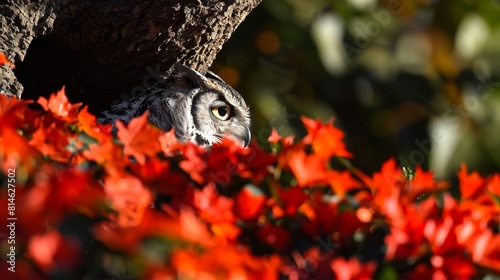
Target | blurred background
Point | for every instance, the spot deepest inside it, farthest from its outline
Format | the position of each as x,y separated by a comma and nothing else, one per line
412,79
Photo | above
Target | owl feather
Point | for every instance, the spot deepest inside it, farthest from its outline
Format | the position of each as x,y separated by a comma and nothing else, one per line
202,109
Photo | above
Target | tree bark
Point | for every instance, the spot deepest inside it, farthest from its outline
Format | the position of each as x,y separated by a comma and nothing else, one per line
103,49
19,24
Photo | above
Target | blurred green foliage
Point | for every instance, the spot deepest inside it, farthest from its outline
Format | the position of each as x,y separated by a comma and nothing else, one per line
411,79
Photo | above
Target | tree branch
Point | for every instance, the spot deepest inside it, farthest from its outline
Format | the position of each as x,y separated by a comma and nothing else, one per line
118,47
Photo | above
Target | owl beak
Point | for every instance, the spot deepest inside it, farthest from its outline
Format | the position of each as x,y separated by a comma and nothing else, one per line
247,137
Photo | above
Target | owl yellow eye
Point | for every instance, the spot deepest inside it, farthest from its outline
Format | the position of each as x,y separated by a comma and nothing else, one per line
223,112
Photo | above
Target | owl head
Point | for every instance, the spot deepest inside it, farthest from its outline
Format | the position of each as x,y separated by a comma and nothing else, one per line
208,111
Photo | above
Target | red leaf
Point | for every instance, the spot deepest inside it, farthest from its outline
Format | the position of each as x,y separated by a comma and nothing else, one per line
4,60
342,182
52,141
411,227
52,252
158,176
491,256
352,269
108,154
326,139
274,236
153,224
274,137
88,123
42,248
193,229
493,185
13,111
56,194
213,207
454,265
310,170
59,105
227,231
168,143
224,262
249,203
129,198
323,218
481,245
15,150
422,183
471,185
195,163
386,182
228,159
291,199
139,138
223,163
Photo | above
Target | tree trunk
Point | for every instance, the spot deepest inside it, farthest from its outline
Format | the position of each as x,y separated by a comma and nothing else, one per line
19,24
103,49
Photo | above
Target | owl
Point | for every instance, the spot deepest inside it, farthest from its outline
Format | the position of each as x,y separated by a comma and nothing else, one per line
201,108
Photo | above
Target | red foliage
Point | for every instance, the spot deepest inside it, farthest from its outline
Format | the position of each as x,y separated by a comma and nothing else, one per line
139,139
352,269
51,251
60,107
170,209
4,60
